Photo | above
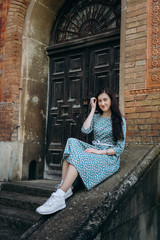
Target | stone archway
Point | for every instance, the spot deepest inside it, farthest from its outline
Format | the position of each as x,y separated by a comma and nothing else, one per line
38,23
25,78
27,35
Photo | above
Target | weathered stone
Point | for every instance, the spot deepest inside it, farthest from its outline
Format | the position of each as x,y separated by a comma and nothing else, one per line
87,211
53,5
36,61
137,216
39,22
10,155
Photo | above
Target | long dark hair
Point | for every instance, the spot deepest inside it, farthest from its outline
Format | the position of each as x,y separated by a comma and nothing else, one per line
115,114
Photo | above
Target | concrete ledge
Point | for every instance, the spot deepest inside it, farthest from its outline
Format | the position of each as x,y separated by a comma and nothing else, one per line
87,210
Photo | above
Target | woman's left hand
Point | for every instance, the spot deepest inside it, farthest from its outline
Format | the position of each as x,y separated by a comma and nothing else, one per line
92,150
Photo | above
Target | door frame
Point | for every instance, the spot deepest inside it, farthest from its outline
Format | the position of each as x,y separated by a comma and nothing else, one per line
85,42
82,43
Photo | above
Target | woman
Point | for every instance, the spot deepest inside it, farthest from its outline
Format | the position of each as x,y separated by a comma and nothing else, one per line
94,163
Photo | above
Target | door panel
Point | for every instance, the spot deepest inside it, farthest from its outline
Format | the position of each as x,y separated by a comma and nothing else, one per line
104,68
74,78
67,89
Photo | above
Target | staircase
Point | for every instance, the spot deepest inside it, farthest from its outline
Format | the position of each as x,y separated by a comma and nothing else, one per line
18,201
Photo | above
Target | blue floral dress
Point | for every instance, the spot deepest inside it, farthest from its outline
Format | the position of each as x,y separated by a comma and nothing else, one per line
94,168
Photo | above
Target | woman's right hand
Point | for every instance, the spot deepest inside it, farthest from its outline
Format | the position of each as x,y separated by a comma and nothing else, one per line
88,121
93,103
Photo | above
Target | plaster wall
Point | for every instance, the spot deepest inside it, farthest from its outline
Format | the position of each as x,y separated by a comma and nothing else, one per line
35,66
11,164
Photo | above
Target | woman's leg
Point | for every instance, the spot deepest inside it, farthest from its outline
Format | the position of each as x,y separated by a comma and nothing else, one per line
57,200
65,166
70,177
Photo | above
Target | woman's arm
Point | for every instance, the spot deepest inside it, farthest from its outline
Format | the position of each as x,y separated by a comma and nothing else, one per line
100,152
88,121
117,149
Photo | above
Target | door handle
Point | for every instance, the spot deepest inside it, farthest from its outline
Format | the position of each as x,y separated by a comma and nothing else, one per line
85,101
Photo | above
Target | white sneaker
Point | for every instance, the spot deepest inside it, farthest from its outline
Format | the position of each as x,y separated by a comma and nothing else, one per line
69,192
52,205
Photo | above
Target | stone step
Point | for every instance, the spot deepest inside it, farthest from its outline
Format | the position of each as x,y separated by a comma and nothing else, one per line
35,187
9,234
18,220
19,200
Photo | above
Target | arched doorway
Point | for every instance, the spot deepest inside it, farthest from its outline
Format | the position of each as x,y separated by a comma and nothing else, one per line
84,57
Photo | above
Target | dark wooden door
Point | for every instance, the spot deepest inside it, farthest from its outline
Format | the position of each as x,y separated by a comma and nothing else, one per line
75,76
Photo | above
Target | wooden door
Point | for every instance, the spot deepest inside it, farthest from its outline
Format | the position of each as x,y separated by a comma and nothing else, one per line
75,76
66,110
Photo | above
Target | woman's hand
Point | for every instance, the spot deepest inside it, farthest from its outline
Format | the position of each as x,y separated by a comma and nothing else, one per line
88,121
96,151
93,102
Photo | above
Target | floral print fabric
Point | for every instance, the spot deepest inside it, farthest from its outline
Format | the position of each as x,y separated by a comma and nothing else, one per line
94,168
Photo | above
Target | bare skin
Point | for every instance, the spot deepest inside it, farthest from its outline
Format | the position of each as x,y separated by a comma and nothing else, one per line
69,172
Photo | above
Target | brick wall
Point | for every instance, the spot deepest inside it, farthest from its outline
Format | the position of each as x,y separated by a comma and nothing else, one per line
143,117
142,75
11,24
142,103
5,110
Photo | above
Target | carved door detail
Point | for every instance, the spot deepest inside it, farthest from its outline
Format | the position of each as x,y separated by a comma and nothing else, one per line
75,76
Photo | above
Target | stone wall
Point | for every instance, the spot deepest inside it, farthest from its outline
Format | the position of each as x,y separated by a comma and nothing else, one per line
138,215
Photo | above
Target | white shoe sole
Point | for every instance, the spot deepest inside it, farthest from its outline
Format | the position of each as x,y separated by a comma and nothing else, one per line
52,211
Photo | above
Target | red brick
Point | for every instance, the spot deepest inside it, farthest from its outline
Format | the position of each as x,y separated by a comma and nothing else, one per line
132,115
156,126
146,139
140,85
155,102
145,127
156,139
129,86
146,109
129,110
141,97
151,121
140,121
153,133
130,134
146,103
131,104
153,96
136,140
145,115
140,133
156,115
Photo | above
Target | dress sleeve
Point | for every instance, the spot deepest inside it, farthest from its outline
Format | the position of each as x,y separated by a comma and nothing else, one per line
89,130
119,147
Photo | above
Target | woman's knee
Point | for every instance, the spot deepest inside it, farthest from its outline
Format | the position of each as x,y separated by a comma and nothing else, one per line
71,139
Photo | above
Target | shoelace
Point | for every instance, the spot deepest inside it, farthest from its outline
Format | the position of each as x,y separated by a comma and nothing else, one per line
58,186
51,199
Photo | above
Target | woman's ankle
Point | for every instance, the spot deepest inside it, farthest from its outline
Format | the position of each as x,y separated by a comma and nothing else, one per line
60,192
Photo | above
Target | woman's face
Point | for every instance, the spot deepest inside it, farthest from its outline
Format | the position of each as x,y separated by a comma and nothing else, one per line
104,102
